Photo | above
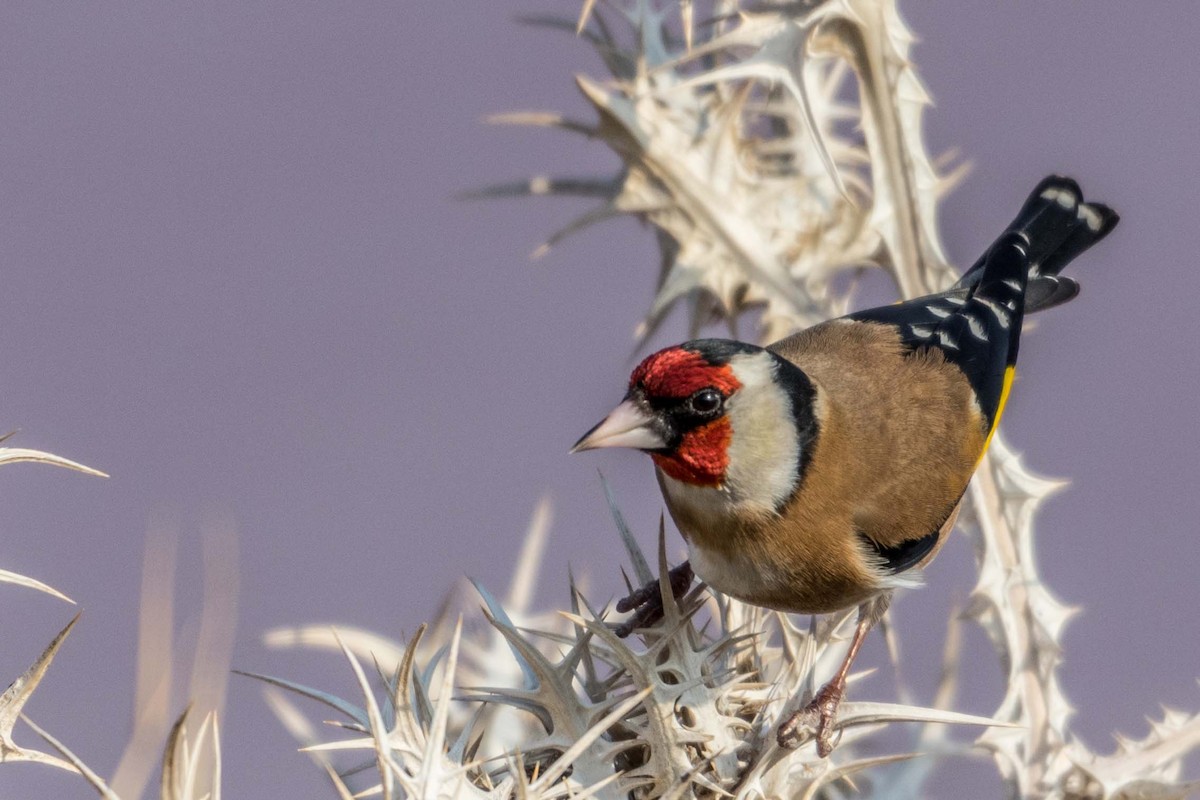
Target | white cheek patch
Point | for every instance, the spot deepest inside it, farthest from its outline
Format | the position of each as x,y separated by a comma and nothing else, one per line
764,452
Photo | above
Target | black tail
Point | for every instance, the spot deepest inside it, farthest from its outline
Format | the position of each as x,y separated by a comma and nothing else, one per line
1058,225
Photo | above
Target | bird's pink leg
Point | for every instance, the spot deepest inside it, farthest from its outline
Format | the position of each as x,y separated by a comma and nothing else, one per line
821,711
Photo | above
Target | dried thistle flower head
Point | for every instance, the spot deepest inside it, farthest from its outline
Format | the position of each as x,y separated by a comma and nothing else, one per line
741,144
689,710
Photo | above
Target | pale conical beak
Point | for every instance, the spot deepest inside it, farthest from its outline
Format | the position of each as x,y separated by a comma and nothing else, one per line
626,426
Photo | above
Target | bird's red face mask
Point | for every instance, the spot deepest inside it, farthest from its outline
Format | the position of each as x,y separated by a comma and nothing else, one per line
675,411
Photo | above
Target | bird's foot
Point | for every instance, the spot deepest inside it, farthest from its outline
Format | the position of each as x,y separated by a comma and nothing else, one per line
814,721
646,603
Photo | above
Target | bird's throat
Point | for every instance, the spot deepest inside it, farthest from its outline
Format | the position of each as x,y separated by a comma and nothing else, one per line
701,457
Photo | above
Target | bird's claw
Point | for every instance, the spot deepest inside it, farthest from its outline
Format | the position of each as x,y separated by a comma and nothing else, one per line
814,721
646,603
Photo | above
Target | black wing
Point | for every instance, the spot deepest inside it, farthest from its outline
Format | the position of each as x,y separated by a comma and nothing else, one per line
977,322
978,331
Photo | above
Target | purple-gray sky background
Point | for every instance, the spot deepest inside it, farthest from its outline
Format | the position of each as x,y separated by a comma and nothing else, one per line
235,277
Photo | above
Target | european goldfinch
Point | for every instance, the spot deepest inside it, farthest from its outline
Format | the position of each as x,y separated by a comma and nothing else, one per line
825,470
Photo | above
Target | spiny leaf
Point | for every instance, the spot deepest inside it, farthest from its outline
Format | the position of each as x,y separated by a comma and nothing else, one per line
336,703
83,769
30,583
12,455
18,693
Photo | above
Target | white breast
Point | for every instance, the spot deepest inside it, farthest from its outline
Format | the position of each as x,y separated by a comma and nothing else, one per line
736,575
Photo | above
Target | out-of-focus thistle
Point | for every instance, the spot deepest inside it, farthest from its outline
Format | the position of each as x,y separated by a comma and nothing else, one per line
12,702
190,760
772,147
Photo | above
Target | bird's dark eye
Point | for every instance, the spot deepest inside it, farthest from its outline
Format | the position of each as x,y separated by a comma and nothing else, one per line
705,401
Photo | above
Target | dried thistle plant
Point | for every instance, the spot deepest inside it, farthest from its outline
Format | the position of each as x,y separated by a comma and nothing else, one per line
690,711
772,147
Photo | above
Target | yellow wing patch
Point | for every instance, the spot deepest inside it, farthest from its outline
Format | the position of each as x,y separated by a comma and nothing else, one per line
1009,371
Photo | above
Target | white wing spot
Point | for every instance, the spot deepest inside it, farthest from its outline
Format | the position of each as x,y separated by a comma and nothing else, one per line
977,329
938,311
947,340
1091,217
921,331
1000,313
1061,196
1013,284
